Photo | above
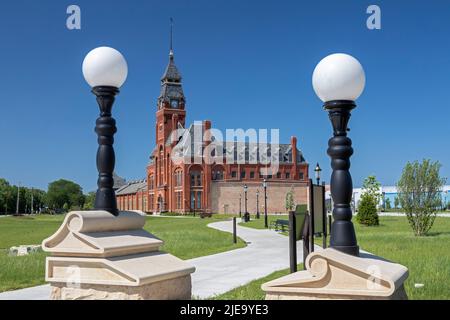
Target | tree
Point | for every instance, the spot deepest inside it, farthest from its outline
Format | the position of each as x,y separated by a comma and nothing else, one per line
63,192
367,211
5,194
388,203
370,198
419,192
396,202
89,201
290,200
372,187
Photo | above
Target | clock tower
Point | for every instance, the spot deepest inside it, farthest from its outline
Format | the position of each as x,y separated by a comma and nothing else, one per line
170,112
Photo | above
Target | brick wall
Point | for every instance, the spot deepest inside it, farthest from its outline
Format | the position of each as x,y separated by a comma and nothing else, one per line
225,196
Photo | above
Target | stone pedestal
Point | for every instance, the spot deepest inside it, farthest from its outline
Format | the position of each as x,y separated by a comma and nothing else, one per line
95,255
331,274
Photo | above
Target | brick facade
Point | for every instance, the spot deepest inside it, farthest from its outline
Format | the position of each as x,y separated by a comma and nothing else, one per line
205,186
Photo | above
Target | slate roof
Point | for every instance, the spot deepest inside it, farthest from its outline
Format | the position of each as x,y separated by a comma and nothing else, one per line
254,149
171,88
132,187
118,181
171,73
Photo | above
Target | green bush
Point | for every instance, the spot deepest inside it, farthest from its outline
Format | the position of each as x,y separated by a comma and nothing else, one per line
367,211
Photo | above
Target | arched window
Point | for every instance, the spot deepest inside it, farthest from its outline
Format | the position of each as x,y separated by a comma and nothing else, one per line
178,178
218,172
161,166
151,182
196,178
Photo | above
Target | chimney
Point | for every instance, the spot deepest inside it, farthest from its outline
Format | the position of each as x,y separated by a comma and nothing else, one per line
294,156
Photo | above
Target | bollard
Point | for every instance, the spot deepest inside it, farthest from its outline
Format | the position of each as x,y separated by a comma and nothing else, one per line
292,243
234,230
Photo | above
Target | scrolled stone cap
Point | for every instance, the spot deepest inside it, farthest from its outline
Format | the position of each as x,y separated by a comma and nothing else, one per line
100,234
331,273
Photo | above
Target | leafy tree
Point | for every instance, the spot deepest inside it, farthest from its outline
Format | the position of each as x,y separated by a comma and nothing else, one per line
396,202
290,200
89,201
367,211
388,203
372,187
419,191
5,195
63,192
370,198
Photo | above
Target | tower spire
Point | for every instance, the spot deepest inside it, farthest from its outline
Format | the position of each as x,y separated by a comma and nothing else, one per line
171,38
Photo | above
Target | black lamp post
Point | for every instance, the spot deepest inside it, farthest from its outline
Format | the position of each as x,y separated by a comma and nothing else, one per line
105,69
257,203
338,80
246,214
240,206
266,225
317,170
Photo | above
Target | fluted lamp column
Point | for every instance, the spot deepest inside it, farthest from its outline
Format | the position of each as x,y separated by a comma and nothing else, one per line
338,81
105,70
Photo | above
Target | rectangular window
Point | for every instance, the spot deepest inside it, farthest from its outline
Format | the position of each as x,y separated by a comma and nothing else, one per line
252,174
288,175
301,176
178,196
233,174
152,199
278,175
242,174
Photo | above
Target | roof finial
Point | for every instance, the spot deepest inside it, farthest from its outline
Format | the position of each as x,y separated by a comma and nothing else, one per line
171,38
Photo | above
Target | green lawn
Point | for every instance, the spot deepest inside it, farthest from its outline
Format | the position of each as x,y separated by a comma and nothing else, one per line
427,258
184,237
259,223
252,291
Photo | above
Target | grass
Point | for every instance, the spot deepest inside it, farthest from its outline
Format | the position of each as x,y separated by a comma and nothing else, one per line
259,223
189,238
184,237
427,258
252,290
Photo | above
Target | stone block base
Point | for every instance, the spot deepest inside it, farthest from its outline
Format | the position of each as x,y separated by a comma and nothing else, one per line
399,294
171,289
331,274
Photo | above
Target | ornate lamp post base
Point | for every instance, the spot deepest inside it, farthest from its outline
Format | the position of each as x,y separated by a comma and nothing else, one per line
343,237
105,128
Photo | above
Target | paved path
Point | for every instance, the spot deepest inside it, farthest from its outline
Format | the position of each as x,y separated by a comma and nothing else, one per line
266,252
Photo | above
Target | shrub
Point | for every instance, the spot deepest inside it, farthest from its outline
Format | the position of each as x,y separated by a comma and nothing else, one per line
367,211
419,190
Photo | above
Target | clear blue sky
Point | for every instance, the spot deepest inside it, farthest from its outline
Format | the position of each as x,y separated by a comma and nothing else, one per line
246,64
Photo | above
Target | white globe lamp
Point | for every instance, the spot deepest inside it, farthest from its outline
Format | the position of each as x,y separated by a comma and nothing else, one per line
338,77
105,66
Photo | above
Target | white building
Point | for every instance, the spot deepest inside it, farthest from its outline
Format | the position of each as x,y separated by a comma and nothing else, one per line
390,192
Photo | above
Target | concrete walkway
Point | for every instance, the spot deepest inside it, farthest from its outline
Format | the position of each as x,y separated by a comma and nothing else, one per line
266,252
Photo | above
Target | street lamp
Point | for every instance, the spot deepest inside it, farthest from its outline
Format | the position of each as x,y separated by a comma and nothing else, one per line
266,225
257,203
240,200
105,70
246,215
338,81
317,170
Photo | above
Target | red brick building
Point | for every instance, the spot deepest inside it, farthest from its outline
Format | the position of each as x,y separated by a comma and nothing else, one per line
191,169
